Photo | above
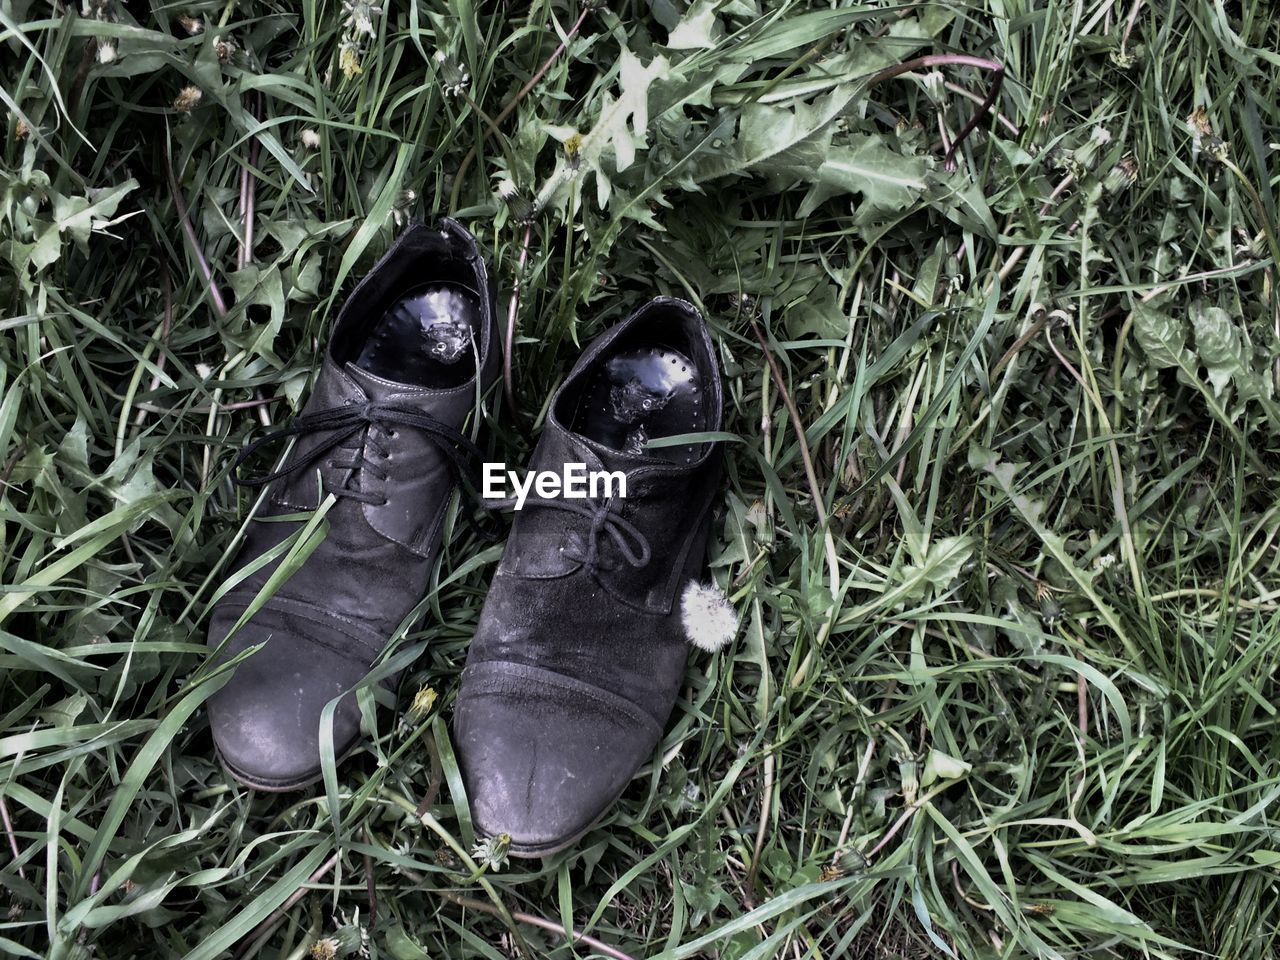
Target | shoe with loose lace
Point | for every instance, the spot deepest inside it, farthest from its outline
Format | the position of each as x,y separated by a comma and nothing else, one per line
582,644
378,446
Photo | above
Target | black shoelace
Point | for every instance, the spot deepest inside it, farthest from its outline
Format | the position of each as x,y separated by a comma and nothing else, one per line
344,423
631,543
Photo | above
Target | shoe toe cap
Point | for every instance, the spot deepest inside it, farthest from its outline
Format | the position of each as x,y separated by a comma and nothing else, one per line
266,720
543,755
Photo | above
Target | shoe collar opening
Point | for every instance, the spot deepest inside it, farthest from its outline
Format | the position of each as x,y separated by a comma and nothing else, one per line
687,327
454,257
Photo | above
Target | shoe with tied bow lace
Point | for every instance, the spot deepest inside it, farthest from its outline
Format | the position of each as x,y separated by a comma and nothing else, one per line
581,647
380,442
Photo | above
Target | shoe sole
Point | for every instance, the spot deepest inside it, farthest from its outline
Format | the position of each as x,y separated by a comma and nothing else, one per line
278,786
524,851
253,784
519,851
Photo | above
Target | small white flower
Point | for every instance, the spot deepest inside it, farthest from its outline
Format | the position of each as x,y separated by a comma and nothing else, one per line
492,851
188,99
522,210
349,58
310,139
106,52
934,85
360,16
453,76
709,619
402,210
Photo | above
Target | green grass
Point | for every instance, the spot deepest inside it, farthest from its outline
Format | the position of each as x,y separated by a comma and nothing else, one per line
1011,603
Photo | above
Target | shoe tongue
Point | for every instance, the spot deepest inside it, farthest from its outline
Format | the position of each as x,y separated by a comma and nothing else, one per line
376,388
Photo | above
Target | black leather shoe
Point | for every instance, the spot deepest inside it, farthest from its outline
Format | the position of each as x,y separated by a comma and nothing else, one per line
580,650
379,434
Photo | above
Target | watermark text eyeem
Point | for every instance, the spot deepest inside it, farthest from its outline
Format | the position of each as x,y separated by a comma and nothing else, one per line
576,482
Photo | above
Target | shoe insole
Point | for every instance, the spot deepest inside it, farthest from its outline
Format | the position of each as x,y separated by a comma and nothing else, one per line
643,394
426,337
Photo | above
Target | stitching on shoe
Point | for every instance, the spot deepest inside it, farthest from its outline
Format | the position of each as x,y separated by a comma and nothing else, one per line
332,621
486,672
279,784
242,598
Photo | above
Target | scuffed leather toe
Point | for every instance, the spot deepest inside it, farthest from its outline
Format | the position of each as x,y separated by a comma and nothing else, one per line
266,721
544,755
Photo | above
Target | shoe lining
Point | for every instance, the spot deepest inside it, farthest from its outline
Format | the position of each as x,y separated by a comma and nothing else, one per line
428,337
642,393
